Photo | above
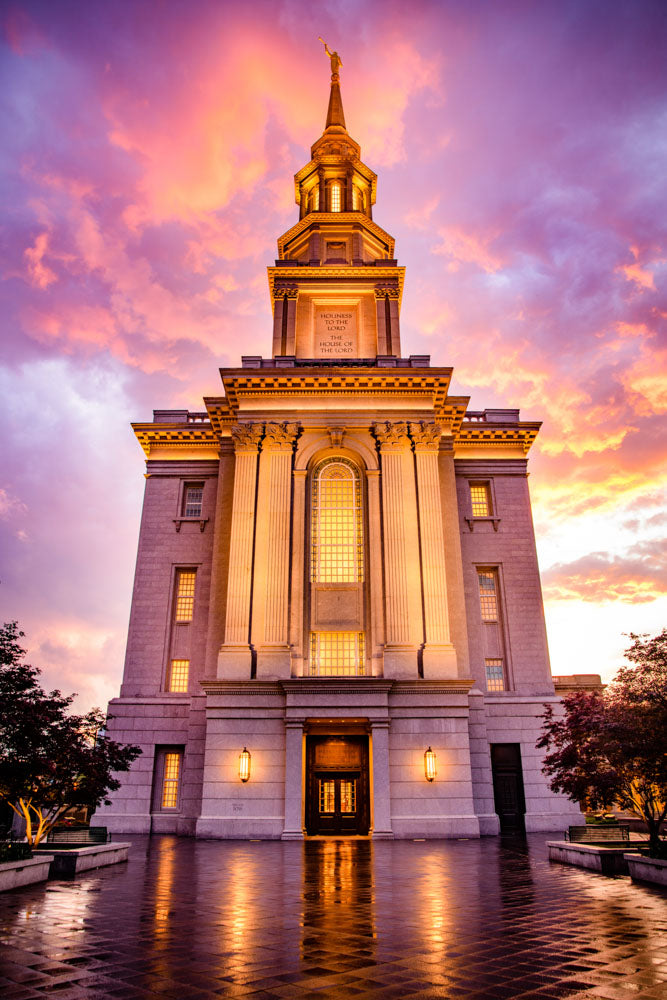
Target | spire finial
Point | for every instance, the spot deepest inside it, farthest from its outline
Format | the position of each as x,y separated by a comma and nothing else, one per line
335,115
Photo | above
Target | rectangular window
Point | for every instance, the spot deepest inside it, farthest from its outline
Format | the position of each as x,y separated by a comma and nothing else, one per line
178,675
488,595
348,796
185,595
170,780
337,654
192,500
495,677
480,497
335,198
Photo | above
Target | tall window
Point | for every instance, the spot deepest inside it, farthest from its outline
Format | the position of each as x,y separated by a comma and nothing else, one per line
336,529
178,675
315,199
480,497
170,780
488,595
495,676
336,654
192,499
335,195
185,595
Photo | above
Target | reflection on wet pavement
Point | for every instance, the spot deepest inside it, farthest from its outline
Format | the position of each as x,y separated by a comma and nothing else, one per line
477,920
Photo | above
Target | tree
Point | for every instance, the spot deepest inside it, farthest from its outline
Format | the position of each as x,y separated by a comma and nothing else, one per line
51,760
611,748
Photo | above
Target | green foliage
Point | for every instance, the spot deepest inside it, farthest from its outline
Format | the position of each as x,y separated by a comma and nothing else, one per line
611,748
13,851
50,759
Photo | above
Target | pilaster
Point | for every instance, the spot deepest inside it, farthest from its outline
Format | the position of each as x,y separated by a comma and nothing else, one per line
375,572
403,612
381,783
234,658
439,656
381,316
270,627
299,477
293,780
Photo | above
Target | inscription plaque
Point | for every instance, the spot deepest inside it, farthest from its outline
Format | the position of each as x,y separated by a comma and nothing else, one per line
335,332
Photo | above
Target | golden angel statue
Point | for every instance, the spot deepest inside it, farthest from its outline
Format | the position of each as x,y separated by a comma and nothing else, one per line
336,61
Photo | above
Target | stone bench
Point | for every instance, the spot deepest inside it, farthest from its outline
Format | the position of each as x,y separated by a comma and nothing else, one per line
83,835
14,874
595,857
69,861
602,834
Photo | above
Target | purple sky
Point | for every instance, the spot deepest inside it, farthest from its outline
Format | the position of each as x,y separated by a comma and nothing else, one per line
147,156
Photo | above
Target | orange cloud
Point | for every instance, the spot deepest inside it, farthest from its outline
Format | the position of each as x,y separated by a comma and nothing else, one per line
467,248
641,276
637,577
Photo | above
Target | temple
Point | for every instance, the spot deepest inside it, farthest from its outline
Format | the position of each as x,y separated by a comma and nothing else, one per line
337,624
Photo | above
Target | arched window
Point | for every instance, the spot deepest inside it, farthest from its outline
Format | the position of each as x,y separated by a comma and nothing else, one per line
336,527
335,196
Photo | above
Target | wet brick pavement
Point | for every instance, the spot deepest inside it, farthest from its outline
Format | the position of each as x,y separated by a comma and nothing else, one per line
475,920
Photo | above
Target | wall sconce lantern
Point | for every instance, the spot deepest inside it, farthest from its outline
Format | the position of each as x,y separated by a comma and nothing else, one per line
429,764
244,764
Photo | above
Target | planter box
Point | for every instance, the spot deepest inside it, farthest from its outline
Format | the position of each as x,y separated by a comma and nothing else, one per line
14,874
74,860
611,860
643,869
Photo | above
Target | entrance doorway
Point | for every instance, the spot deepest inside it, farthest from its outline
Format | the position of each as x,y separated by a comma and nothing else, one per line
508,794
337,786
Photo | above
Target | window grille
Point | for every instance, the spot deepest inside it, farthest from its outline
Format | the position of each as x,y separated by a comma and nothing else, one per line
315,199
480,496
172,770
337,654
335,197
192,501
185,595
336,529
488,595
495,678
178,675
348,796
327,796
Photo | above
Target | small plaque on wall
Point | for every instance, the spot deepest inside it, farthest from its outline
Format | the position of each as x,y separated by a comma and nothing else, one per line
335,333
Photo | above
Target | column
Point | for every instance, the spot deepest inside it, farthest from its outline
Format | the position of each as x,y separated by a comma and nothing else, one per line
234,657
381,797
292,294
375,571
393,323
270,625
293,780
298,577
381,314
403,612
439,656
279,306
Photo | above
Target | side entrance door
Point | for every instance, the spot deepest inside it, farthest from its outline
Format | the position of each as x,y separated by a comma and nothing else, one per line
508,786
337,800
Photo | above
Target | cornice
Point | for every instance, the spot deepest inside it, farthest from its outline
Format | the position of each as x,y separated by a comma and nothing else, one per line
176,436
520,435
327,273
432,382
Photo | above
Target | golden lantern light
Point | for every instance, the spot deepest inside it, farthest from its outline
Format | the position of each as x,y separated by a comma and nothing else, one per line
429,764
244,764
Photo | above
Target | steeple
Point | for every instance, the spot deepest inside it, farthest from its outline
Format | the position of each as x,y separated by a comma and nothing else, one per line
336,287
335,115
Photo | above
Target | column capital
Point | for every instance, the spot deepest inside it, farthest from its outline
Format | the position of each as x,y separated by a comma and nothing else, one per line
280,436
246,437
295,723
426,436
282,290
392,436
378,724
386,291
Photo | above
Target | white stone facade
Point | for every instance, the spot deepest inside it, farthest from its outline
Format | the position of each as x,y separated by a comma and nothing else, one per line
430,632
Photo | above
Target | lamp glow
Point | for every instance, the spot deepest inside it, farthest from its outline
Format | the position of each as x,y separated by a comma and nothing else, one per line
244,764
429,764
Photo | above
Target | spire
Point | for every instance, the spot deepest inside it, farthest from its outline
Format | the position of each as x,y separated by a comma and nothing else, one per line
335,115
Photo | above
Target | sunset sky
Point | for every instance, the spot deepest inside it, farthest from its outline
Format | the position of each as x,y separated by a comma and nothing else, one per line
147,154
